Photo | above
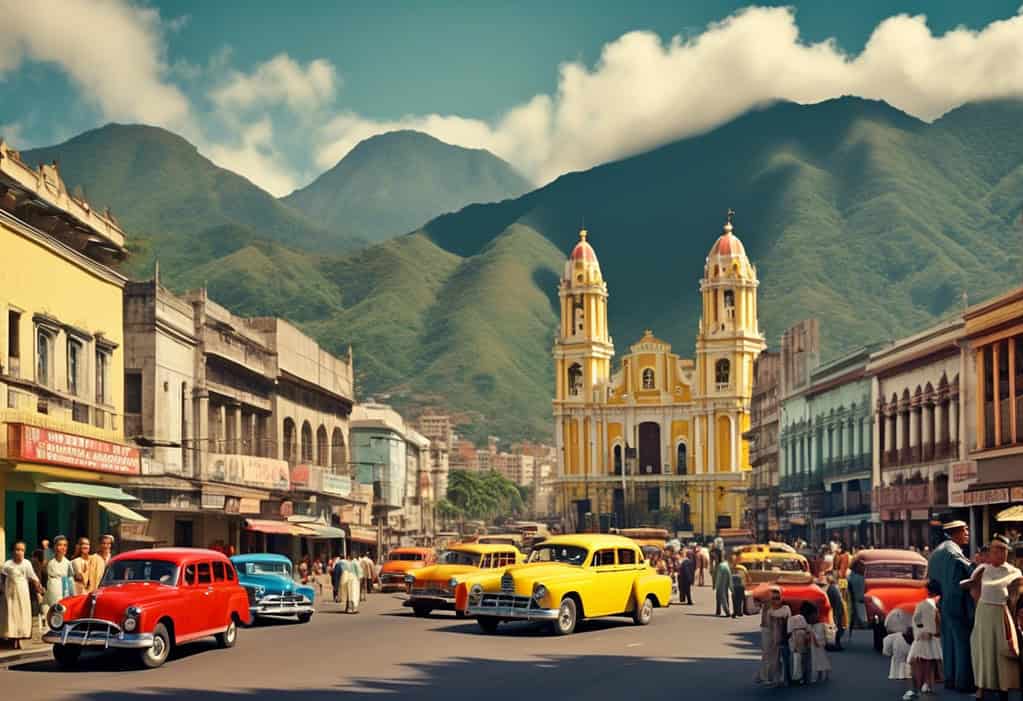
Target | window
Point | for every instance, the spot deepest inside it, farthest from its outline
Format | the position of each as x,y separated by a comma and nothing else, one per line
44,348
682,458
133,392
618,459
648,379
74,366
575,380
230,572
603,558
729,299
13,334
205,576
722,370
102,373
189,574
626,557
218,572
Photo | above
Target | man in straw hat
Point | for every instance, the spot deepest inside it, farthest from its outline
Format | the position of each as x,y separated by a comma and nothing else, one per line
949,566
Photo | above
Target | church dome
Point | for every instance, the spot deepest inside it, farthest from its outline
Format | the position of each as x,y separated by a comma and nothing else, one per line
728,255
582,265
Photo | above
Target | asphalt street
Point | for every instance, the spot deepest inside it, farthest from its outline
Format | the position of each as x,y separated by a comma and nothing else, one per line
384,650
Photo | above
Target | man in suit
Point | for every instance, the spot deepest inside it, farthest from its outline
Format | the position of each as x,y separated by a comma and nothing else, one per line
949,566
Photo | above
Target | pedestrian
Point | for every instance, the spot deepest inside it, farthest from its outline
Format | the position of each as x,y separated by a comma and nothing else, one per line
949,566
19,584
739,579
349,585
857,596
925,652
336,576
60,575
798,629
702,564
994,641
106,549
44,545
686,573
820,662
897,645
773,635
88,568
723,589
837,610
38,563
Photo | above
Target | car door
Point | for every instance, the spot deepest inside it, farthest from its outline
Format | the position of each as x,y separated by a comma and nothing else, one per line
208,614
220,615
605,595
630,565
189,622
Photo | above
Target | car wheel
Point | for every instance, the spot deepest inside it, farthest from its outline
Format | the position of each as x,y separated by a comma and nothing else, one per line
643,614
66,655
305,617
230,636
566,620
422,611
488,624
156,655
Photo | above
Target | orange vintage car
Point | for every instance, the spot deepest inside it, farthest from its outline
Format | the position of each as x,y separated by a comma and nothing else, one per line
400,562
440,586
894,579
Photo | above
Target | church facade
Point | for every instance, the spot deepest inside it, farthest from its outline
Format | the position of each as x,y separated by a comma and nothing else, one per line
660,432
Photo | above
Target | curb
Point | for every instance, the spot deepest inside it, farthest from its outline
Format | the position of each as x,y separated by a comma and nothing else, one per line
22,656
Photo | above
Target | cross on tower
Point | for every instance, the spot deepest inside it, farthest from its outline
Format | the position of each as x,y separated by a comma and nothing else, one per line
731,215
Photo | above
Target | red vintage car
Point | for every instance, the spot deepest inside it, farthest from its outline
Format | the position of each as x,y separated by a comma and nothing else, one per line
150,601
400,562
794,594
894,579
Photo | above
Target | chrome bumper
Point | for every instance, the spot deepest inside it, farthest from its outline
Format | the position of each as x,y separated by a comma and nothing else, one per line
513,612
128,641
279,608
437,602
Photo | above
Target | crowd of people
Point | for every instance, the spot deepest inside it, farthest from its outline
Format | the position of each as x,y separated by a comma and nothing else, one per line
31,585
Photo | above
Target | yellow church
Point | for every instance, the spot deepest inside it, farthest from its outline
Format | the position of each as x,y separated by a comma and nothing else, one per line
662,432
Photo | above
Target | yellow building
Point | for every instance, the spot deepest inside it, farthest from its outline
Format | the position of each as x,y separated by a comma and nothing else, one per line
61,361
662,432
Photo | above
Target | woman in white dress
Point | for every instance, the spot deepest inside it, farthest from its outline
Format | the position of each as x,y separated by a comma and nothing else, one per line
60,575
993,643
17,576
925,652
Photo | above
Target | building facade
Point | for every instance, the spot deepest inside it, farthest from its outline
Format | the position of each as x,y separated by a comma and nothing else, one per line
62,449
661,433
762,496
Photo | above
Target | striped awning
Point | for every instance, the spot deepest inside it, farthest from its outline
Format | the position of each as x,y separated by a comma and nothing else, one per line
271,527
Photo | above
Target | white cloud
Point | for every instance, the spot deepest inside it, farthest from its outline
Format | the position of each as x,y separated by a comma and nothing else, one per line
112,50
279,81
644,92
257,157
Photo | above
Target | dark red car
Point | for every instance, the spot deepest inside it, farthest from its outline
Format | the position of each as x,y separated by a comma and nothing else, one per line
894,579
150,601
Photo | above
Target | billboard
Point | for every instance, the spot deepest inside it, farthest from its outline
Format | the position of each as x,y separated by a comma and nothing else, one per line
43,445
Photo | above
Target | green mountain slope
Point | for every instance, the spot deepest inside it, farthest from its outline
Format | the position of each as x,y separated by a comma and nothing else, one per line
158,185
392,183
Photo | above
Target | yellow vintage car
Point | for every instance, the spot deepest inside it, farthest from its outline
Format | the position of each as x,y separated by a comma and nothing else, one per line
766,563
436,587
568,578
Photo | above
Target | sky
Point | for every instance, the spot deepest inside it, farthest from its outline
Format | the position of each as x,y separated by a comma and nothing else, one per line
279,92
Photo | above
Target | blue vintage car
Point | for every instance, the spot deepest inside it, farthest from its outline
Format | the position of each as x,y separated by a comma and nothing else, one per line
272,590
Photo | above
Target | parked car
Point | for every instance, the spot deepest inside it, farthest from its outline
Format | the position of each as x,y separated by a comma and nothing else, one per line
794,592
151,601
767,564
400,562
894,579
271,588
438,586
568,578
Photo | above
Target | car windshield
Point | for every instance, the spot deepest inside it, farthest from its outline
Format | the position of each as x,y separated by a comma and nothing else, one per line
569,554
895,570
278,567
411,557
140,571
460,557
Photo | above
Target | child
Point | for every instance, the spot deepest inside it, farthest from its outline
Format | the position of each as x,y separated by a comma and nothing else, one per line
925,653
799,636
896,645
820,663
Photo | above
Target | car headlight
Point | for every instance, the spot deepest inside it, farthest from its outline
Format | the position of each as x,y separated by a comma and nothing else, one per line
56,617
131,618
539,592
476,594
876,603
410,579
260,591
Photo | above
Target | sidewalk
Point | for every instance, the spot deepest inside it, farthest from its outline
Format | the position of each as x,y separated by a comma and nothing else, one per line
34,649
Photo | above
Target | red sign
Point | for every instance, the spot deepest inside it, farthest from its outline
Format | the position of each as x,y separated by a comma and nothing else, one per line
55,448
300,476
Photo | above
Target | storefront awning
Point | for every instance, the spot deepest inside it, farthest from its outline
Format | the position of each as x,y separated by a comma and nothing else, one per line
366,536
122,512
271,527
324,532
89,491
1012,514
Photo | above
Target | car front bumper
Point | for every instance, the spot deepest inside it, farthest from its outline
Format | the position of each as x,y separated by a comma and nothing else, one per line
281,608
126,641
514,613
444,603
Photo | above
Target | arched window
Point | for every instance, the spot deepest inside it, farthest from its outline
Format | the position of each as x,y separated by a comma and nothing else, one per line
682,458
338,452
322,448
290,454
648,378
722,371
729,299
307,442
617,453
575,380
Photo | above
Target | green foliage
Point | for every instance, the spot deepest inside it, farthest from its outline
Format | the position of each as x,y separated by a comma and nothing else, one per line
391,183
485,496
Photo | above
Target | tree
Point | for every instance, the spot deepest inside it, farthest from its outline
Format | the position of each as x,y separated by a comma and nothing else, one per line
484,495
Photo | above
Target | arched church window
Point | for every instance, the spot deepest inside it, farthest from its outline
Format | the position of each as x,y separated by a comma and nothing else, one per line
575,380
682,456
730,304
722,371
648,379
617,459
578,316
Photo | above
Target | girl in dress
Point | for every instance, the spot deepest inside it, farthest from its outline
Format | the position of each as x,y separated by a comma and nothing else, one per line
820,663
925,653
897,645
60,575
18,575
799,638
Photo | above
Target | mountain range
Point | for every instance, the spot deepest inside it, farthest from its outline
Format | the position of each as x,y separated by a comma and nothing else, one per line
853,212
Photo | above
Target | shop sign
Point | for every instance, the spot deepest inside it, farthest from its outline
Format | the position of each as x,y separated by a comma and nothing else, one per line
132,528
250,471
962,475
300,475
983,497
43,445
248,505
213,501
336,485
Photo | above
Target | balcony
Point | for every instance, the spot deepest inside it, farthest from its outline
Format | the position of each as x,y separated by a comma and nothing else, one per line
948,450
842,467
852,503
800,483
906,496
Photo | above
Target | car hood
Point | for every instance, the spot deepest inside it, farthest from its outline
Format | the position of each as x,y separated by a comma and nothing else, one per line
524,576
272,583
112,600
442,573
402,566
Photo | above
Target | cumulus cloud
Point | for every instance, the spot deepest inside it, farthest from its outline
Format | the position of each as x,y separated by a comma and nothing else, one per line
113,51
256,155
644,92
279,81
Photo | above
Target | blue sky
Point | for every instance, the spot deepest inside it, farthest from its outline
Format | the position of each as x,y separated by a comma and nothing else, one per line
281,91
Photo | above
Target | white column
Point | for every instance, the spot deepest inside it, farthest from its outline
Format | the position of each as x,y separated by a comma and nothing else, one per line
926,422
899,420
581,446
941,432
698,443
953,422
711,442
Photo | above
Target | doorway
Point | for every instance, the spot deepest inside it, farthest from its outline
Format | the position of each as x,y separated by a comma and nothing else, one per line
649,448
